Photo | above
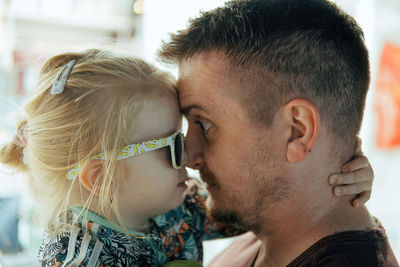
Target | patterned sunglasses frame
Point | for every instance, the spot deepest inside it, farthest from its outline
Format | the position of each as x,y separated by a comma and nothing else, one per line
174,141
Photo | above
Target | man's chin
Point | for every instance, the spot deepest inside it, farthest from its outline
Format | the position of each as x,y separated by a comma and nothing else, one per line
224,215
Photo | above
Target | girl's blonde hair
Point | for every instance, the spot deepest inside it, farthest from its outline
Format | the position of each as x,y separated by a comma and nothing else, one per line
95,113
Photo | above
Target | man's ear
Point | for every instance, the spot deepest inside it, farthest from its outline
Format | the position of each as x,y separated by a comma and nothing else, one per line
304,120
90,173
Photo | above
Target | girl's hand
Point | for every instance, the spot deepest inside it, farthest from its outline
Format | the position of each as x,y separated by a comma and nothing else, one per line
356,178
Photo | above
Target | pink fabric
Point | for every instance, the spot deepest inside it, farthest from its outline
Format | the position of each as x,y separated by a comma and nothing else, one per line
241,253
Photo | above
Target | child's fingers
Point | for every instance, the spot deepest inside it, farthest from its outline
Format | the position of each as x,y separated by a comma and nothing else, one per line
361,199
352,189
359,162
358,146
357,176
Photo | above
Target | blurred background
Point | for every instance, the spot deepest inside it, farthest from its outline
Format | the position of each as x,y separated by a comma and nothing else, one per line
33,30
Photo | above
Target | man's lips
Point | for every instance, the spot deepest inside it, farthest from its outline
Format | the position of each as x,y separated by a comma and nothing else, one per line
208,177
211,186
208,183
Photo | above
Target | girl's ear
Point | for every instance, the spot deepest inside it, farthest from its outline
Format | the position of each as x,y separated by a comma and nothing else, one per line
90,173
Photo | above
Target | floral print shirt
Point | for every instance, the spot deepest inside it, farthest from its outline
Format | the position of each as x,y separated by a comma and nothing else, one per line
176,235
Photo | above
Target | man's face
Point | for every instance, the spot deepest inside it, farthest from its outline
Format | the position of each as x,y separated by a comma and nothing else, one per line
238,160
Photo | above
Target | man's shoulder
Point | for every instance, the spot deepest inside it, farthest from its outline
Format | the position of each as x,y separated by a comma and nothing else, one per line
350,248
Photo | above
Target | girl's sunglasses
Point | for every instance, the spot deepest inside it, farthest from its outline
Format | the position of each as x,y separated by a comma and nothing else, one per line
174,141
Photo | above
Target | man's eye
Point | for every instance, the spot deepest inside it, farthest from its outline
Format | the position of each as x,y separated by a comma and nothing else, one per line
204,126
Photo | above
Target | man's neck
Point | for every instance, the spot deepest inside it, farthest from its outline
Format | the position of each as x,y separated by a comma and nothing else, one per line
294,236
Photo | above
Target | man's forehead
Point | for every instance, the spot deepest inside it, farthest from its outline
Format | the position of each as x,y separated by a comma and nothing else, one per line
203,83
192,88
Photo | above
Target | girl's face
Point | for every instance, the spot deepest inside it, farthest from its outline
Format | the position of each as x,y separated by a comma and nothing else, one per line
152,186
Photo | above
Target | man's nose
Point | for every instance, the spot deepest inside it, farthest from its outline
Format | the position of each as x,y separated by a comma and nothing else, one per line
194,157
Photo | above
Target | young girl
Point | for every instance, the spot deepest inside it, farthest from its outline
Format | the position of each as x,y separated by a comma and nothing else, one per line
103,150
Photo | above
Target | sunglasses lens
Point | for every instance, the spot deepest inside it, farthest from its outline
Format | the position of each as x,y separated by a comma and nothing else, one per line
179,151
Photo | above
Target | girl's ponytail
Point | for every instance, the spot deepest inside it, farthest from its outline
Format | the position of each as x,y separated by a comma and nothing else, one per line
12,154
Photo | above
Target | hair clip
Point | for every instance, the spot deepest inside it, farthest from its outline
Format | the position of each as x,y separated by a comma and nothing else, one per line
59,83
19,138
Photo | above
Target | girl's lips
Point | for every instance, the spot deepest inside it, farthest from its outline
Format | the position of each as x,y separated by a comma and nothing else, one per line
183,183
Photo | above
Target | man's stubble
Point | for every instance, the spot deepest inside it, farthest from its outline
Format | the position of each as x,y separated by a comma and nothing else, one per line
266,187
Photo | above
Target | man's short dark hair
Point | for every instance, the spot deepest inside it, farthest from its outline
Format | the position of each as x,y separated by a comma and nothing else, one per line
283,49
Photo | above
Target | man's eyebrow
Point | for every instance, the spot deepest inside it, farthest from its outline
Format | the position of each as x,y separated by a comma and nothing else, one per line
186,110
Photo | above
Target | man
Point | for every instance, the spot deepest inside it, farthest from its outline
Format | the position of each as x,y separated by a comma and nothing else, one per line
274,92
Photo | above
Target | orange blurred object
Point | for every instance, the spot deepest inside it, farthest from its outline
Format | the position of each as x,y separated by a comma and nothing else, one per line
388,98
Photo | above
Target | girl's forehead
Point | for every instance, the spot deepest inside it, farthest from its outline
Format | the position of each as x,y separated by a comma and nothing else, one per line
157,118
